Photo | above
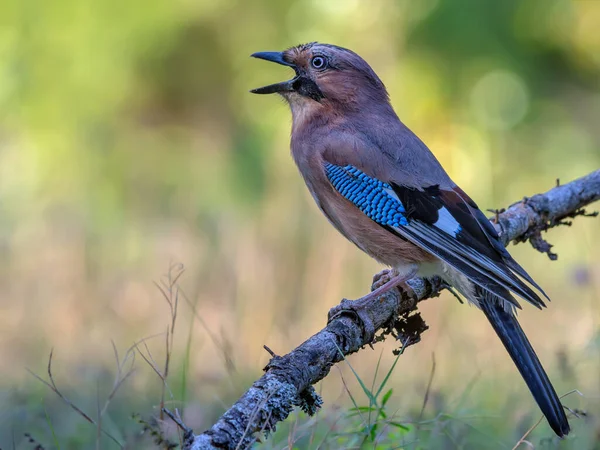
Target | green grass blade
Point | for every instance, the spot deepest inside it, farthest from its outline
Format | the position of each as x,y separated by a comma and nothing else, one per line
49,422
387,376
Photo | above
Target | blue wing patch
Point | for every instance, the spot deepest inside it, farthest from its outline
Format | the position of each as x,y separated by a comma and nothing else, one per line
373,197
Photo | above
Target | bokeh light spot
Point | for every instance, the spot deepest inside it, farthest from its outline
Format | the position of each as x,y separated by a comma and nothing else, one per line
499,100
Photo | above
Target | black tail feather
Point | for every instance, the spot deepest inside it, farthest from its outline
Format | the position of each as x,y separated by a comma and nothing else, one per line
513,337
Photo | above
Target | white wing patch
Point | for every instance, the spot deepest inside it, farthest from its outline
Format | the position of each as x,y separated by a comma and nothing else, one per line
392,194
447,223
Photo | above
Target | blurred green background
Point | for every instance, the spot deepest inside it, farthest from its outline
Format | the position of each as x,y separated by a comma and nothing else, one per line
129,143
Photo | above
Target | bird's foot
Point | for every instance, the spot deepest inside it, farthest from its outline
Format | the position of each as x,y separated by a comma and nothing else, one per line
383,282
379,279
359,309
383,277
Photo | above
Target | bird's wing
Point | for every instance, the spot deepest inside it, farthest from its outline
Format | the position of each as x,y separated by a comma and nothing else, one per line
444,222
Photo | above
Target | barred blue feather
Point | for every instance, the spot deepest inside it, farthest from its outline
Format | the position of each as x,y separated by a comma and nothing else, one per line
373,197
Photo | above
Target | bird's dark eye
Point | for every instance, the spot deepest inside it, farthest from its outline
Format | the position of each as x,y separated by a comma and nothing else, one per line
318,62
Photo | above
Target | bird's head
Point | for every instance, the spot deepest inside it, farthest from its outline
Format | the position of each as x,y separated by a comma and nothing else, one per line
326,75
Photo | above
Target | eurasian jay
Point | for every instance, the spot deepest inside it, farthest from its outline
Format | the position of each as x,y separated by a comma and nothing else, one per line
384,190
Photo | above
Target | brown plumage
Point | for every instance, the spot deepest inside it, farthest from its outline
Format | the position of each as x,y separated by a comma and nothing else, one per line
310,156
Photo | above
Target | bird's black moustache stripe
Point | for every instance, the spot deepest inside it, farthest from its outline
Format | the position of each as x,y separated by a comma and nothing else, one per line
308,88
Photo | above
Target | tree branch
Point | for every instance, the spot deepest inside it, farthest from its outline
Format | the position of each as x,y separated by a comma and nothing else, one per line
287,382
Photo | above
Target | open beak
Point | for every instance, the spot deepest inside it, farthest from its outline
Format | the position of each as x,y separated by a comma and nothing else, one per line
284,86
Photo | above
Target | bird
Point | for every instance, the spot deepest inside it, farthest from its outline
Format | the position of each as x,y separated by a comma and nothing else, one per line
382,188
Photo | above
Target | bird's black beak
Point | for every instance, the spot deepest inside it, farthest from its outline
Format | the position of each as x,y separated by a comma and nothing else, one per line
276,57
284,86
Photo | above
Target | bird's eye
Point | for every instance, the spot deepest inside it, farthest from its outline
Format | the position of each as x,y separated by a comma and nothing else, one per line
318,62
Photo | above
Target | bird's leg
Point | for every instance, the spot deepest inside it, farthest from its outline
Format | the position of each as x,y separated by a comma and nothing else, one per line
385,281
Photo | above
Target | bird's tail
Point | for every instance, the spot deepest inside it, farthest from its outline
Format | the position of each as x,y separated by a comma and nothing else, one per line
513,337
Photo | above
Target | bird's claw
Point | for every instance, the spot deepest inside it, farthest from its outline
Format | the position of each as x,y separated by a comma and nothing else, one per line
358,309
379,279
